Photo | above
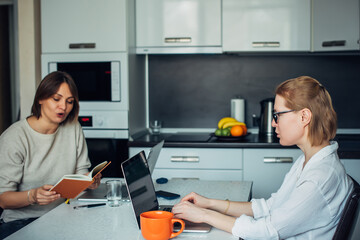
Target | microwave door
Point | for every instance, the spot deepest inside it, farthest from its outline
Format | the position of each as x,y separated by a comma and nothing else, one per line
93,79
115,81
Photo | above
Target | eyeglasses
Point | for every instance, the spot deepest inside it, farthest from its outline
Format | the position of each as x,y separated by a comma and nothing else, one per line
277,114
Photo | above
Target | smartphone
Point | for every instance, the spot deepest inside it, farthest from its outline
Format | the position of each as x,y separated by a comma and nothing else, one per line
167,195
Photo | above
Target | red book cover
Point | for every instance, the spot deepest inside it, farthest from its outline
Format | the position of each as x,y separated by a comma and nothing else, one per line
69,186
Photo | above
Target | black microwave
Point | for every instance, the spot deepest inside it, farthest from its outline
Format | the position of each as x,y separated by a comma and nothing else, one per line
95,81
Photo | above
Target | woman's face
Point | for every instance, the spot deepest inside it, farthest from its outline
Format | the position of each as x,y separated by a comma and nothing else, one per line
56,108
288,127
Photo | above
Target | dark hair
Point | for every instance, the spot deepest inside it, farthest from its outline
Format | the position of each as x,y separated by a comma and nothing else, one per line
307,92
49,86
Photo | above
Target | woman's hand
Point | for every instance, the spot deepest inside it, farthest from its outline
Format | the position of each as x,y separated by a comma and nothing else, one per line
192,207
42,195
197,199
96,182
189,211
196,208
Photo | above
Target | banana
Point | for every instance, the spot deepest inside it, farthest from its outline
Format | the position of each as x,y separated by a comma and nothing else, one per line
225,120
230,124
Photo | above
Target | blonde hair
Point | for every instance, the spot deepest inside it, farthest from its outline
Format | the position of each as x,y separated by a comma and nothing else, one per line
306,92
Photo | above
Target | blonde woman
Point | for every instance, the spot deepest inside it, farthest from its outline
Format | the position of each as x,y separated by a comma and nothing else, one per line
309,203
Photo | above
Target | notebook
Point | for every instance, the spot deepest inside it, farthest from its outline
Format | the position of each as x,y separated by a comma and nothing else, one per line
99,194
142,191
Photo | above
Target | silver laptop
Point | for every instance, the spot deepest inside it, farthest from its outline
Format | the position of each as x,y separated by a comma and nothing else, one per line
154,155
142,191
99,194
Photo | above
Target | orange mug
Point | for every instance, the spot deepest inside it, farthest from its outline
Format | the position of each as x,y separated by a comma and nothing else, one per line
159,225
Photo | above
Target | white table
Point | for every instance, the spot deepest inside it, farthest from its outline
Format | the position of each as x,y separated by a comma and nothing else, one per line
106,222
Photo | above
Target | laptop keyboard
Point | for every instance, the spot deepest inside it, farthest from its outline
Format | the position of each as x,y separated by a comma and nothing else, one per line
168,209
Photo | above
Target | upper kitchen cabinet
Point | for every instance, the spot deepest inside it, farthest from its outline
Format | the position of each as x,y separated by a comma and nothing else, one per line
69,26
262,25
186,26
335,25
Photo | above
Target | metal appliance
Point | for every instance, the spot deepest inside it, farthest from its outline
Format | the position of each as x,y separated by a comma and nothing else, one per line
267,108
102,82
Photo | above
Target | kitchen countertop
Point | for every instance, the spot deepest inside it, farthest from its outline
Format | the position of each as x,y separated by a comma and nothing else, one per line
349,144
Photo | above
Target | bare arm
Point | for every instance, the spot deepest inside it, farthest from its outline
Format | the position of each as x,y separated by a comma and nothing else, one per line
218,213
41,196
193,213
231,208
235,209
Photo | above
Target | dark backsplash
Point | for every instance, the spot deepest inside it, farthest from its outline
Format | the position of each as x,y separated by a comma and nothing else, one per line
194,91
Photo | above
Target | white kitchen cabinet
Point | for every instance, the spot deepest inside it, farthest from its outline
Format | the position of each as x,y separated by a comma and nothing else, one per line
267,168
262,25
186,26
335,25
69,26
352,167
221,164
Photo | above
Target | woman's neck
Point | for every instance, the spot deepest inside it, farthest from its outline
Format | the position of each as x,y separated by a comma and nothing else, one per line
309,151
41,126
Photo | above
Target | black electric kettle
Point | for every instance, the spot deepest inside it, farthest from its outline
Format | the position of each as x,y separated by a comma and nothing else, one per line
266,116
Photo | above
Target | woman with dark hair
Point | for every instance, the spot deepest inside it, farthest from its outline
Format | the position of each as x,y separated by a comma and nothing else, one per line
37,151
310,201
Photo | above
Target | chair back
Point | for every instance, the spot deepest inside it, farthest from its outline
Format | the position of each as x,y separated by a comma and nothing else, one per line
349,217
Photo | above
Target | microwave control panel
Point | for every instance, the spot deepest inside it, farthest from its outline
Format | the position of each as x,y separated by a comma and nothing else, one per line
103,119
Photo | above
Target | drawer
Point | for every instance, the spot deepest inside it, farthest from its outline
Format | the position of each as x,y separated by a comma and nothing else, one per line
210,175
200,158
267,168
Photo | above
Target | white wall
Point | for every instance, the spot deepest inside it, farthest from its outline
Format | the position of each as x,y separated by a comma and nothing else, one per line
28,53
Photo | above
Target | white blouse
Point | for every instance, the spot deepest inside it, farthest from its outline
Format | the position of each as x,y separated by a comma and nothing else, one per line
308,204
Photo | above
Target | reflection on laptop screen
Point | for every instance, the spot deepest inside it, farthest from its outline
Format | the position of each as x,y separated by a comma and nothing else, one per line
154,155
141,189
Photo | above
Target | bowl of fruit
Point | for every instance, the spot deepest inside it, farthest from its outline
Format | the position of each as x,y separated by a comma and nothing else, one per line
230,129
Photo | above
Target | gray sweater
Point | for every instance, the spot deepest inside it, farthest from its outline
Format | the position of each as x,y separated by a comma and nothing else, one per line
29,159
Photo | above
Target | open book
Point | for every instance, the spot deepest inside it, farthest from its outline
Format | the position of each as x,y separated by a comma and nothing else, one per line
69,186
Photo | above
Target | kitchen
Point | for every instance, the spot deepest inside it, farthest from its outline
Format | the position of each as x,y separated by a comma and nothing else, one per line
191,91
189,88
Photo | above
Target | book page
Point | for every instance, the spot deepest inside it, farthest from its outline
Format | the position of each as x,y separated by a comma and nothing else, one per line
98,168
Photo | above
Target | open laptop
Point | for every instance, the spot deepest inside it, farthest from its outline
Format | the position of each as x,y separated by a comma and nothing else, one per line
142,191
99,194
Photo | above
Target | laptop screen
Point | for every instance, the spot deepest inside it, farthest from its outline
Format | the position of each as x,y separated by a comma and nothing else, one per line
140,186
154,155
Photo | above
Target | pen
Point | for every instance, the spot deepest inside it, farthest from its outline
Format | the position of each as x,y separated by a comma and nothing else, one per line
90,206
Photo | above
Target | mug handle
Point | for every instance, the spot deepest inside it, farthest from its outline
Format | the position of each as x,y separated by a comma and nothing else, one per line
174,220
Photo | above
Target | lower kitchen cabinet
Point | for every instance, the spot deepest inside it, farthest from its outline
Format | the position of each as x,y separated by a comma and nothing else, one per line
267,168
203,174
223,164
352,167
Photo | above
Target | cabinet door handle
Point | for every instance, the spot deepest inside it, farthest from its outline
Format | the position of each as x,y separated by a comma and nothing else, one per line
185,159
265,44
186,178
81,45
178,40
278,159
337,43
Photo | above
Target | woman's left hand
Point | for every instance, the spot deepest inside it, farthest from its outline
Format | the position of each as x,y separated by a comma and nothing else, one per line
96,182
189,211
